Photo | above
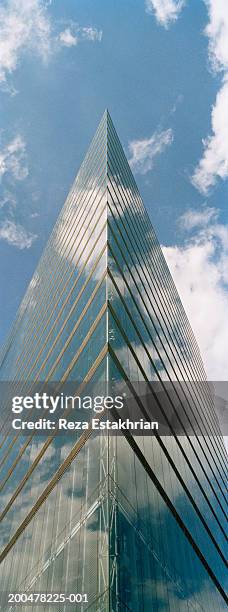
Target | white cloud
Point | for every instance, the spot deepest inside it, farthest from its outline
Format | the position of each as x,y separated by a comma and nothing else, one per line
143,152
13,163
24,25
214,161
217,32
16,235
198,218
74,34
67,39
13,159
89,33
9,89
8,200
199,269
165,11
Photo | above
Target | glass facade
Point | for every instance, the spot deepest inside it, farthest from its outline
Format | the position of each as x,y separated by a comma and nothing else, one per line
137,523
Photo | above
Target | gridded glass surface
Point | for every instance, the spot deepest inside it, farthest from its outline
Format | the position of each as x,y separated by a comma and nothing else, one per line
138,524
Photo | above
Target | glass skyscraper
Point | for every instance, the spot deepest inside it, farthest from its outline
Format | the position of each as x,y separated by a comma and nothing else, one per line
138,523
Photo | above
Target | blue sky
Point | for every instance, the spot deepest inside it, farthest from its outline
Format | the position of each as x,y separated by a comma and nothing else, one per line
161,68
